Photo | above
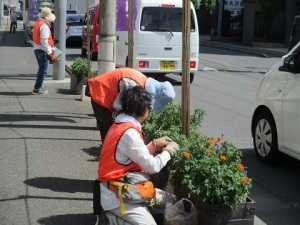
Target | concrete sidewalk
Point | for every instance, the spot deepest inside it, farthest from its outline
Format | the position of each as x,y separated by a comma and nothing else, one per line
49,144
205,40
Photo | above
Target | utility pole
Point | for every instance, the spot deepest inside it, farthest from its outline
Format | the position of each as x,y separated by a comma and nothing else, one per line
60,34
1,12
220,15
185,98
88,37
130,32
107,36
24,14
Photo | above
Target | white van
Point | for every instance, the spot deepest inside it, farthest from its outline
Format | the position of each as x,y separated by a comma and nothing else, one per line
275,124
157,38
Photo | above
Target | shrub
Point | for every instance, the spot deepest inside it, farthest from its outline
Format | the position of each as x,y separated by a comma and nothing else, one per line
208,167
80,67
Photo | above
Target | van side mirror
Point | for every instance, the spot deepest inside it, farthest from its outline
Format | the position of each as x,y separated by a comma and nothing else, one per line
289,64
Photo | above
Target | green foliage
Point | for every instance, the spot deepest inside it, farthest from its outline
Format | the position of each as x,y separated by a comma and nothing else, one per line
208,4
196,3
206,166
80,67
267,13
168,123
211,168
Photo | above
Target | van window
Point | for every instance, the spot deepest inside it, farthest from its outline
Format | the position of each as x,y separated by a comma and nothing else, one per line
160,19
74,19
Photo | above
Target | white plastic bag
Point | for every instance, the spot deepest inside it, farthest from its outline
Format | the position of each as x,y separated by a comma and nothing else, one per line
178,214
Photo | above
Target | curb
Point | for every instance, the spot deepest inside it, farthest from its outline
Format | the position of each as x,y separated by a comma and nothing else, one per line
259,53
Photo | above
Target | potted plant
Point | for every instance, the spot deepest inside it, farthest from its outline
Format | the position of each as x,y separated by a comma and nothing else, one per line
79,74
207,170
211,173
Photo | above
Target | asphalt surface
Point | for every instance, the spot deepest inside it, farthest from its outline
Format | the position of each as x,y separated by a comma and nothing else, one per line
50,144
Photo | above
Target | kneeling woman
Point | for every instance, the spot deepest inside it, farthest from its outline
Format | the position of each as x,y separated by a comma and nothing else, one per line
124,152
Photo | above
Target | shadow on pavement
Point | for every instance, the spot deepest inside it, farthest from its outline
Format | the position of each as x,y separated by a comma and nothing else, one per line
13,39
59,184
18,117
69,219
19,76
277,186
94,152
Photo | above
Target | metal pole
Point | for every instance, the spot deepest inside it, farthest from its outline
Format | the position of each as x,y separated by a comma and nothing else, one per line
24,14
107,36
88,37
1,12
60,34
186,31
130,33
220,15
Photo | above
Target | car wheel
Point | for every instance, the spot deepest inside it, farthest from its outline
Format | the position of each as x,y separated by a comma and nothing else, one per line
265,138
191,77
93,56
83,51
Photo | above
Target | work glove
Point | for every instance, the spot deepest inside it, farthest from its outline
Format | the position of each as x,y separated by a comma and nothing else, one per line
161,142
171,148
50,57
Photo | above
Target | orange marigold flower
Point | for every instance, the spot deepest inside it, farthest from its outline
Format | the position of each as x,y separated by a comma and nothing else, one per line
210,150
210,142
219,139
223,157
240,166
244,180
186,154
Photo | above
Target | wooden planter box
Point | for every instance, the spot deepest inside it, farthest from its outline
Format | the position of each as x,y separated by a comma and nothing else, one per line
209,214
243,214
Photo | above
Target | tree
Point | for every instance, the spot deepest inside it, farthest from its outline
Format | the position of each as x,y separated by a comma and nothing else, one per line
196,3
267,13
207,4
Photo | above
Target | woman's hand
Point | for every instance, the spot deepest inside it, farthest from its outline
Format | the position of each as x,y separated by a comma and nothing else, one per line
161,142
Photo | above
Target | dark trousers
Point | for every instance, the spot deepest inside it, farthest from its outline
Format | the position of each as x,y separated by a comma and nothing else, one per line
11,25
103,117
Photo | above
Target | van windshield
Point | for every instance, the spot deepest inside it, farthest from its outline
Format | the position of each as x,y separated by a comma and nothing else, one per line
163,19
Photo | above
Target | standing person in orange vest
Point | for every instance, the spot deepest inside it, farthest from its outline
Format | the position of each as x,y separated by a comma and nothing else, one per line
106,90
42,45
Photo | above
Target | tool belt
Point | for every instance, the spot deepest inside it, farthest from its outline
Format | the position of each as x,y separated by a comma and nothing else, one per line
134,187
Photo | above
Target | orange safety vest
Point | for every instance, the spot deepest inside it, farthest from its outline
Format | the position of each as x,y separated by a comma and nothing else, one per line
109,169
36,33
105,88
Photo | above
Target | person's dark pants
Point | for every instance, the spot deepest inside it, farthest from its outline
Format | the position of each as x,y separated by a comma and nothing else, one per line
43,63
103,117
11,25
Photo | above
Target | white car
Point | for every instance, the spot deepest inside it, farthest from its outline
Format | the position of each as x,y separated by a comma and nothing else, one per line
74,28
276,110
